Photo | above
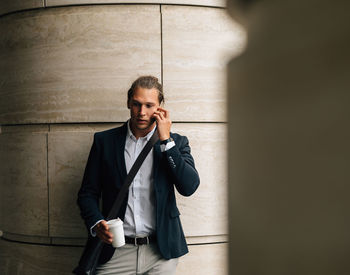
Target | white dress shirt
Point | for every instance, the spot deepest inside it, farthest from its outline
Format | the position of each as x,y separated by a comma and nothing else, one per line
140,215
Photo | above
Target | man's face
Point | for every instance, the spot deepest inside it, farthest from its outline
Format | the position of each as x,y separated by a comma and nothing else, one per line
142,106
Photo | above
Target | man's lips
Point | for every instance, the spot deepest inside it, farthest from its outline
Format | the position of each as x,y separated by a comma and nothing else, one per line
141,121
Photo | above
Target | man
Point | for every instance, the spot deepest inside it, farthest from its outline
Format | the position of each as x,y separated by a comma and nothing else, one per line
153,231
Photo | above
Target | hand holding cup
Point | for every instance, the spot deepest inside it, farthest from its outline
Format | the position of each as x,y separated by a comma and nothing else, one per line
102,231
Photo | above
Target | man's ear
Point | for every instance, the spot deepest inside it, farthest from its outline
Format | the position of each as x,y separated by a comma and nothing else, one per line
128,104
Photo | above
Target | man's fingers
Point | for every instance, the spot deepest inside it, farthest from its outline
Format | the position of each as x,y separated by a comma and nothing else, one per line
103,231
105,239
160,114
104,234
157,116
164,112
104,225
162,109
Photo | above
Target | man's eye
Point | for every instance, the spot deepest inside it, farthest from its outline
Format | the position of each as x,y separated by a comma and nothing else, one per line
149,106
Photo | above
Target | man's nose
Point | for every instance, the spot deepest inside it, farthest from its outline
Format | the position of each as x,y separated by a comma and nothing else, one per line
142,110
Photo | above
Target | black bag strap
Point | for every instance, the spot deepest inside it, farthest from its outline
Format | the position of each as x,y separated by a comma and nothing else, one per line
131,175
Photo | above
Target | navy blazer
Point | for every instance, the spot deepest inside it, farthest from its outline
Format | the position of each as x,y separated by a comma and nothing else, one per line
104,176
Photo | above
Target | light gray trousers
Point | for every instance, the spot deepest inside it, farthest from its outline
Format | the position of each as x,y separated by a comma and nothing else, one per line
143,259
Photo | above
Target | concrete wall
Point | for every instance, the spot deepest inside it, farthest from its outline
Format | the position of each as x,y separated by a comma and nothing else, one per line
64,75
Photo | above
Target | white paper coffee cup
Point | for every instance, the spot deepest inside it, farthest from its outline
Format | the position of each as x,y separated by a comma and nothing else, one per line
116,228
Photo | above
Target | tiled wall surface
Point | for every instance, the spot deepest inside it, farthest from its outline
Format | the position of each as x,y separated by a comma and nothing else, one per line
75,64
81,64
49,165
31,259
7,6
23,177
197,44
66,73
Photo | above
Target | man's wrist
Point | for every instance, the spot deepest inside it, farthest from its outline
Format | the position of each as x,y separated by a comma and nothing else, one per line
168,146
165,141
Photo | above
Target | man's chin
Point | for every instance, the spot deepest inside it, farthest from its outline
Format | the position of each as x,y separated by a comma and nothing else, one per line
143,126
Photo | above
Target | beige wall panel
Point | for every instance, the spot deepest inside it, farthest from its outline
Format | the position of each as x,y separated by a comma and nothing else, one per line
68,154
26,129
23,180
75,64
29,259
26,238
208,259
207,206
215,3
15,5
98,127
197,43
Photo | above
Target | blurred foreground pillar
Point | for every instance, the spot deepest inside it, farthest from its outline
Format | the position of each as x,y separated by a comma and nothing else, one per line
289,138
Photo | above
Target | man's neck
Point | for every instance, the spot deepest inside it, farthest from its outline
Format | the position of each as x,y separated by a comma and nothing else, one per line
141,133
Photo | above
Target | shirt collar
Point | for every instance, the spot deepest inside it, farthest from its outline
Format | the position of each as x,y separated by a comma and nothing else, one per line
131,135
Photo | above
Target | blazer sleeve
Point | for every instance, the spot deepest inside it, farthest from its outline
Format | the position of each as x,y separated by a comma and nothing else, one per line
90,191
182,165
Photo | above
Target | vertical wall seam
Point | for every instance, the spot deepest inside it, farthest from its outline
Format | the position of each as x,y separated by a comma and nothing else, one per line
48,183
161,45
45,4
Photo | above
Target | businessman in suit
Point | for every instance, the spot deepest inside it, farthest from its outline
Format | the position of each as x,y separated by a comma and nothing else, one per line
153,232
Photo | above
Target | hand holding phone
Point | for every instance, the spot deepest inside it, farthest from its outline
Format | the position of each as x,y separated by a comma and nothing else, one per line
163,121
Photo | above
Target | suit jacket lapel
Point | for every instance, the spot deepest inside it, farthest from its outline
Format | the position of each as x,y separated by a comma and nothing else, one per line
119,144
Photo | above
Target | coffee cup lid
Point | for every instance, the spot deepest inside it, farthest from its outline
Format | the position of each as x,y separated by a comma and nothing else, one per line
115,221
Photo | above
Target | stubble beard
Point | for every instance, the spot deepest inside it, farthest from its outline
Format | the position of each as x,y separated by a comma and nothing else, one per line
144,129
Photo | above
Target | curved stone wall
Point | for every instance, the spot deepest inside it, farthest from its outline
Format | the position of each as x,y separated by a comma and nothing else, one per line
66,71
7,6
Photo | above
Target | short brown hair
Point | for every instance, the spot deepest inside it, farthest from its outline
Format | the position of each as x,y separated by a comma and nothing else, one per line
148,82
